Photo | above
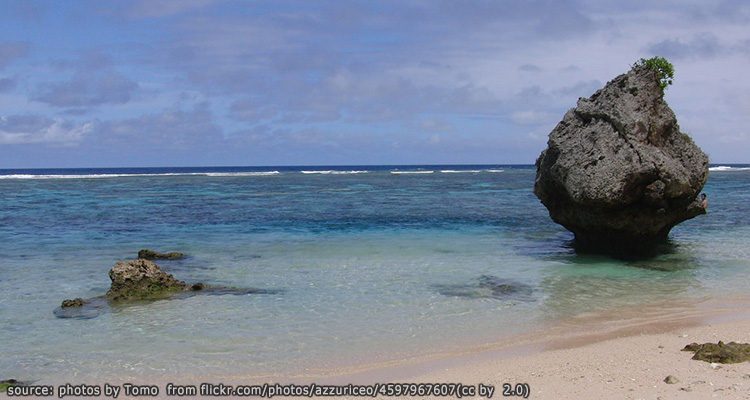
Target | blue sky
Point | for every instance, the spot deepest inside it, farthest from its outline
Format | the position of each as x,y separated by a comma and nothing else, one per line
220,82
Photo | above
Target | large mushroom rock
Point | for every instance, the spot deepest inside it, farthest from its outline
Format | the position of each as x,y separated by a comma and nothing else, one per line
617,171
140,280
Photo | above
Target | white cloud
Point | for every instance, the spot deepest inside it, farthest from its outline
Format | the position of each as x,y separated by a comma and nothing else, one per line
288,77
42,130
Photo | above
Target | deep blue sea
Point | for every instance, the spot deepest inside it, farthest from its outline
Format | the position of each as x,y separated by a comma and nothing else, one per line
360,263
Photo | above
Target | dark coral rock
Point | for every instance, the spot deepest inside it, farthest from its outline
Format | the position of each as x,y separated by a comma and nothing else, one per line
147,254
725,353
77,302
141,280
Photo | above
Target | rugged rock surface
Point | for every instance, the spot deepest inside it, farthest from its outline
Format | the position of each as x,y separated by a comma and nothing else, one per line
725,353
155,255
77,302
141,279
617,171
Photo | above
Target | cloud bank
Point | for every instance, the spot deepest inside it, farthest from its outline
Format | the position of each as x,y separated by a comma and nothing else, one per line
215,82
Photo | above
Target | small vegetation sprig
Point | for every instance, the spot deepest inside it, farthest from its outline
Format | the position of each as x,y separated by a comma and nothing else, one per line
663,68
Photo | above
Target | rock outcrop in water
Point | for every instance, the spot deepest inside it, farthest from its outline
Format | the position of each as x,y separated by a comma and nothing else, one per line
147,254
140,280
143,280
617,171
77,302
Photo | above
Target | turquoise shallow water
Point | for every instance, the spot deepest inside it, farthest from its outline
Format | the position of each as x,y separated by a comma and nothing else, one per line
364,263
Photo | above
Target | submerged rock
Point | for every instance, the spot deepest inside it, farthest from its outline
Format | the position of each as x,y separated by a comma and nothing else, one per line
488,286
154,255
725,353
141,280
226,290
617,171
90,308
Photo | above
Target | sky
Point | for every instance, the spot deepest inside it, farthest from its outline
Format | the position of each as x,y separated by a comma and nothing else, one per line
95,83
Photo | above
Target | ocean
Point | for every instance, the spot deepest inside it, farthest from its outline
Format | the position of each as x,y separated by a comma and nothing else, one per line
358,264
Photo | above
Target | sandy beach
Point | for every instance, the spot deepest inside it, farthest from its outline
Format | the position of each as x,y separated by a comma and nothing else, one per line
623,354
630,367
626,353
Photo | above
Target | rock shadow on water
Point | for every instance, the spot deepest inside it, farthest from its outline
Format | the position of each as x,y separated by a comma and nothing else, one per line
667,256
631,252
489,287
546,246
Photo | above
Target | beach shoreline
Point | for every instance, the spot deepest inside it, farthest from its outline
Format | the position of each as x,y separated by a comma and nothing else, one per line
572,333
627,365
624,353
597,356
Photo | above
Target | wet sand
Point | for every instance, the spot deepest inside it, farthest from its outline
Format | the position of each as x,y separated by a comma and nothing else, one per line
624,353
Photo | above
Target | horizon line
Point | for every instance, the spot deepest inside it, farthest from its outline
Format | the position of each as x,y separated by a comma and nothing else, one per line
307,165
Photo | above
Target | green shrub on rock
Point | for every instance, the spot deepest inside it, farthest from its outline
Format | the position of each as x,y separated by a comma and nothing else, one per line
663,68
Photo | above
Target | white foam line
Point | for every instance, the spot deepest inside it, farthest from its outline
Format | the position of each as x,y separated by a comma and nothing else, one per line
411,172
728,168
333,172
101,176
